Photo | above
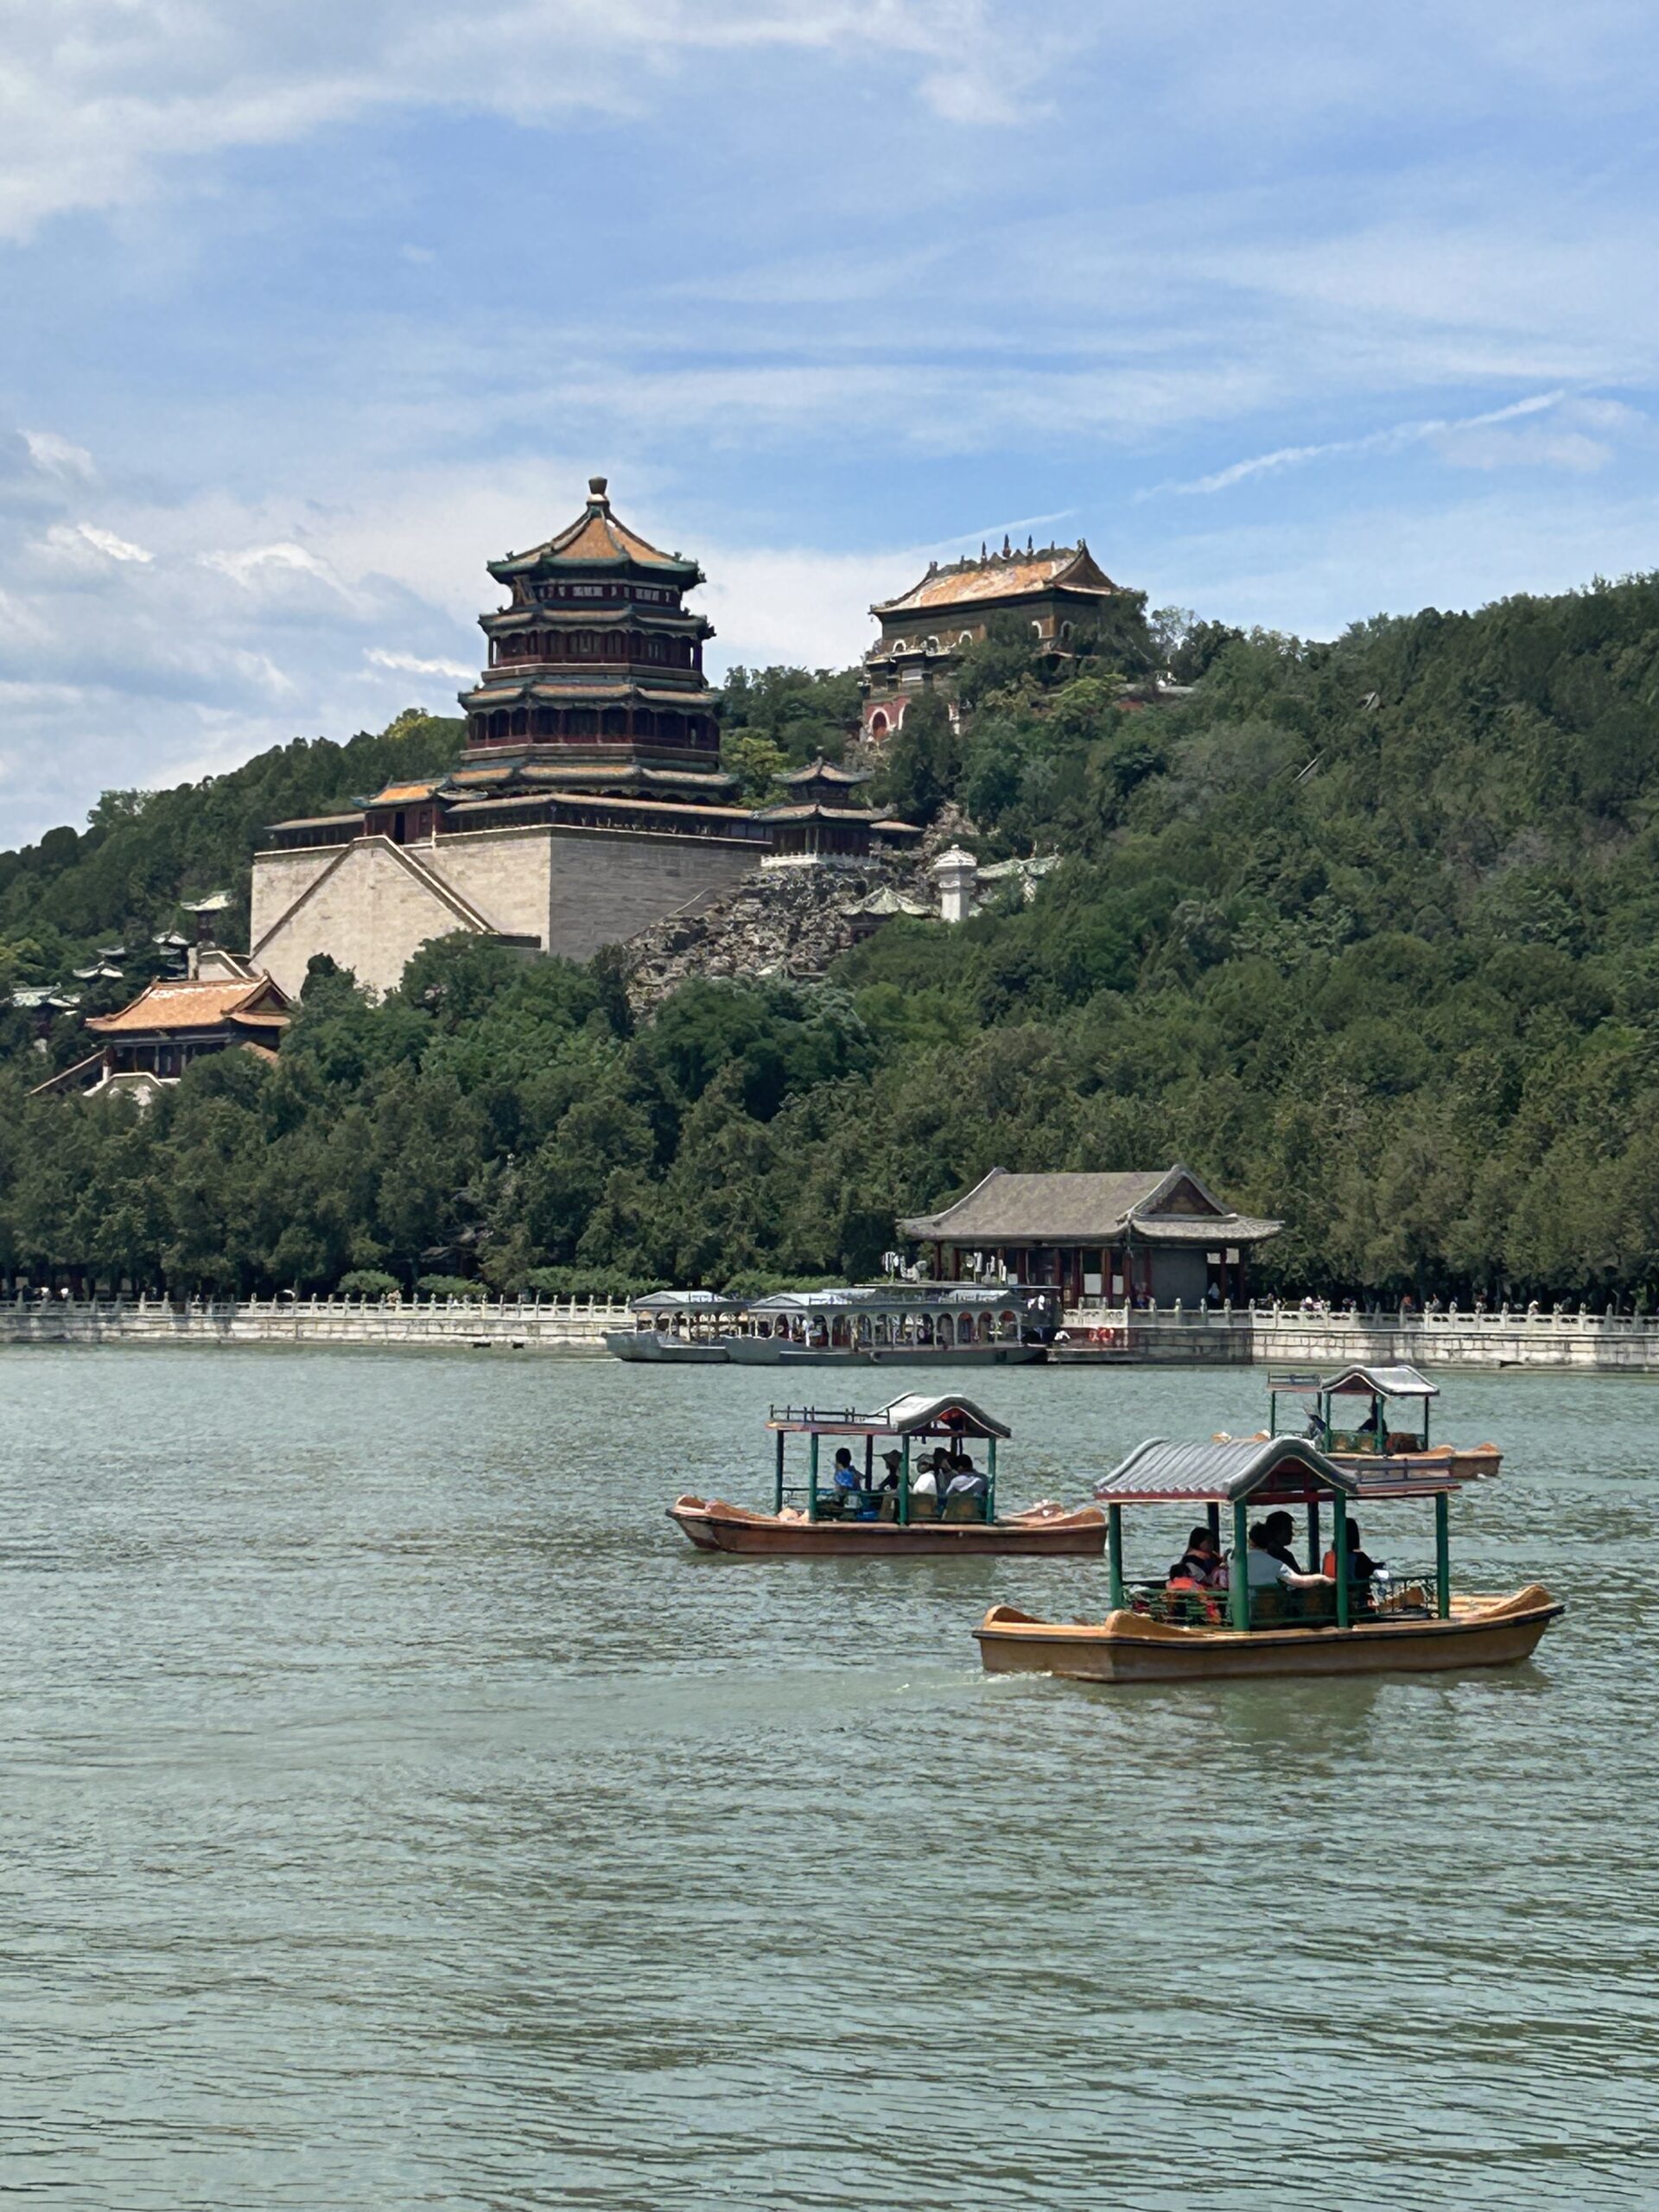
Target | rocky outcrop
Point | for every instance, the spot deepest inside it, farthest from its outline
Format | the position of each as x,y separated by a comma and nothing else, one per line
785,923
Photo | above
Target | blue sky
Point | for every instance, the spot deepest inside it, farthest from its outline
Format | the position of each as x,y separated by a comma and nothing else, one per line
1299,314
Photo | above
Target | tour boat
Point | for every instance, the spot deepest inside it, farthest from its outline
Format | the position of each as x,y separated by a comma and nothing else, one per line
1397,1621
909,1325
896,1515
1359,1444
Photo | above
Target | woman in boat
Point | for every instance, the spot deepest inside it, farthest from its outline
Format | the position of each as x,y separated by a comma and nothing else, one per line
1360,1567
1200,1567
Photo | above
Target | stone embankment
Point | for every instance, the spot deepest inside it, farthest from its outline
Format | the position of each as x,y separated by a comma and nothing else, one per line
1283,1336
1315,1336
562,1325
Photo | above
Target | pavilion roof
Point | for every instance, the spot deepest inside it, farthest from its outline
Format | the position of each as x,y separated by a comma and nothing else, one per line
822,771
596,539
1009,574
1090,1208
815,810
169,1004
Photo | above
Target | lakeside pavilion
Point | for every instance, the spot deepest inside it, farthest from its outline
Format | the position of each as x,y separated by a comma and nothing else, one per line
1157,1233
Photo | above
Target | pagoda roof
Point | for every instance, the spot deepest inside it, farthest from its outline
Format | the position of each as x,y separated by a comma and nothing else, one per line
815,810
620,693
169,1005
822,771
631,771
596,539
407,794
315,820
1007,575
702,813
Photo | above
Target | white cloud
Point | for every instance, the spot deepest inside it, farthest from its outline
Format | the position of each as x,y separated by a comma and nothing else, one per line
84,544
94,101
412,665
1454,438
55,456
254,564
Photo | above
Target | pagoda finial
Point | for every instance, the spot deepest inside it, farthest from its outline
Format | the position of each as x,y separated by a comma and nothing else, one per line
1031,544
596,488
1007,548
983,554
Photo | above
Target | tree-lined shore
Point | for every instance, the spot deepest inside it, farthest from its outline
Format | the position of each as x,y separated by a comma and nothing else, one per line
1367,931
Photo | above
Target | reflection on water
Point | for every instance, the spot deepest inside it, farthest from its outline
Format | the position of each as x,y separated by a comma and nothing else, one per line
398,1811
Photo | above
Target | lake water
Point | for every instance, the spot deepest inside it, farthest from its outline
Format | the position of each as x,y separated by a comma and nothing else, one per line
397,1812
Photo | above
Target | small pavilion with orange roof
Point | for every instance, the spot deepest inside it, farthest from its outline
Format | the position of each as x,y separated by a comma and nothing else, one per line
173,1021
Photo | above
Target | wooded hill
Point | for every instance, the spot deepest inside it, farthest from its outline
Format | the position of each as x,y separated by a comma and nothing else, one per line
1367,931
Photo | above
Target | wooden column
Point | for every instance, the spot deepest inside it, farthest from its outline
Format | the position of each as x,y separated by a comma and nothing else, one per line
778,1476
1339,1540
1442,1558
1238,1577
1115,1556
812,1479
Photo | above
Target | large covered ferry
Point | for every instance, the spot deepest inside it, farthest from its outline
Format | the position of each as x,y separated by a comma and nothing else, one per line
925,1325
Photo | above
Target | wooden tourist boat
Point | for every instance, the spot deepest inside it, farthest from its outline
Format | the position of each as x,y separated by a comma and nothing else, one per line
909,1325
1380,1435
1398,1622
865,1514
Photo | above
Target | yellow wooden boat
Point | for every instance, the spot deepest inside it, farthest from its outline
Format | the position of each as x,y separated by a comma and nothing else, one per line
1406,1620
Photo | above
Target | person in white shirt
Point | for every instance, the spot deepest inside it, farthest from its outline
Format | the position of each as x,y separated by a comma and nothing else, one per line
1264,1570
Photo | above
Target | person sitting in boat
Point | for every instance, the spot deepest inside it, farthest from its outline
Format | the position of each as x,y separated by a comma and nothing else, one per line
1200,1567
846,1474
964,1479
893,1461
1280,1529
1360,1567
1265,1570
934,1476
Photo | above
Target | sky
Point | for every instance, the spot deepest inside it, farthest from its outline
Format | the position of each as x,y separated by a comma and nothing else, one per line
1298,314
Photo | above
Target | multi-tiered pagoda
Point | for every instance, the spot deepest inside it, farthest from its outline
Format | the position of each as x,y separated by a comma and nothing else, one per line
595,664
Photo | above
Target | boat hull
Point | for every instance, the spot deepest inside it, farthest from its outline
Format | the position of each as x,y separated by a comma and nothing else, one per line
772,1351
714,1526
1127,1647
650,1349
1464,1463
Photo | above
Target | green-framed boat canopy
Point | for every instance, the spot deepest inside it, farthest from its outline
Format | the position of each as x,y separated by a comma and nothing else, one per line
1396,1382
915,1414
1265,1470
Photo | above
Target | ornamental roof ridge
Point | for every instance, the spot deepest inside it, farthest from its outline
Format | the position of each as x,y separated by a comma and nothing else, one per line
595,538
1006,574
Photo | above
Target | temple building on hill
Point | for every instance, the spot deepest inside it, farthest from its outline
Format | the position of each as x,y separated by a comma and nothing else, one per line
1058,590
1156,1234
588,802
150,1043
820,818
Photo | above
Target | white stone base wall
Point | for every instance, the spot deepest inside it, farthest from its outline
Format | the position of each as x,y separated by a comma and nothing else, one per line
371,906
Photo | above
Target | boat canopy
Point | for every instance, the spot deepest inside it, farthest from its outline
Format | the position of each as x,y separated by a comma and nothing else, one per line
1376,1383
1279,1470
685,1301
915,1414
906,1297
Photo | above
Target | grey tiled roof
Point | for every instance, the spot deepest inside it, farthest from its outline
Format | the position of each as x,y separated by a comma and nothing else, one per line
1083,1209
1159,1469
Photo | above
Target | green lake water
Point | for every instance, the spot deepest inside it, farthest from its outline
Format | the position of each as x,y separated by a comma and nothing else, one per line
396,1812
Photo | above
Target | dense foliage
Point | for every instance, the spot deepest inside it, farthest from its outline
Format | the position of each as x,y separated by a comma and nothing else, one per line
120,879
1368,933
